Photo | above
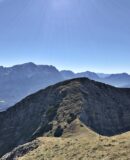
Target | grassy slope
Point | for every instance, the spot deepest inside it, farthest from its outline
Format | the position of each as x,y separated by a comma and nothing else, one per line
80,143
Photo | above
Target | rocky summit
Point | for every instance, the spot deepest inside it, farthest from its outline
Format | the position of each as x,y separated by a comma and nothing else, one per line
51,112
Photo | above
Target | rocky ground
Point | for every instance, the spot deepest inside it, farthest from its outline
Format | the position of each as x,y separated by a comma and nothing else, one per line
79,144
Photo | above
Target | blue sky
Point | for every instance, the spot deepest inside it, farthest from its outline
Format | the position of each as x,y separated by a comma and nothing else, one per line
69,34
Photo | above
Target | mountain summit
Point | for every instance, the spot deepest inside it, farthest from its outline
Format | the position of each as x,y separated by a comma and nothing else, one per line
50,112
19,81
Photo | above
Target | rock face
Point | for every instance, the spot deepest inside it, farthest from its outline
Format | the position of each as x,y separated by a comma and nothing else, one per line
103,108
21,150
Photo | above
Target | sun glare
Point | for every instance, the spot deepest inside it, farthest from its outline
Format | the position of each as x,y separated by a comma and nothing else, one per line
60,4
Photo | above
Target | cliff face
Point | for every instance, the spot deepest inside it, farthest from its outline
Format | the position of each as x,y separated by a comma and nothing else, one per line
103,108
106,109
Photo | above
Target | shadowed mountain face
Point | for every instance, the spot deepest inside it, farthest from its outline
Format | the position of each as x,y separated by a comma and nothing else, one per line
21,80
104,109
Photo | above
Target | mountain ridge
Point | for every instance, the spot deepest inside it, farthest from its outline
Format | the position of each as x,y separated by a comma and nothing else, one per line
50,112
22,80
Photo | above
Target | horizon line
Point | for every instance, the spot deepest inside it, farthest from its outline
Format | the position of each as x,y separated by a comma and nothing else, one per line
37,64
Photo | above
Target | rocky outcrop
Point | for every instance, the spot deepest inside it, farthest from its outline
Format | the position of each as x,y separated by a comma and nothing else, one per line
21,150
103,108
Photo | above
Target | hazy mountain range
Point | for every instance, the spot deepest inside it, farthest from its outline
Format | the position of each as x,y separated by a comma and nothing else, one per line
53,112
21,80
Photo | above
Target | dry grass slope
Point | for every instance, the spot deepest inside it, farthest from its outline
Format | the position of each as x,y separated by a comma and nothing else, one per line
80,143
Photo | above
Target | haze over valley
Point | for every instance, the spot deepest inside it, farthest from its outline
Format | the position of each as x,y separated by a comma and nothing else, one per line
19,81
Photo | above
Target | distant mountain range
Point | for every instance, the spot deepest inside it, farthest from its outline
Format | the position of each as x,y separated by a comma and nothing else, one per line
21,80
121,80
